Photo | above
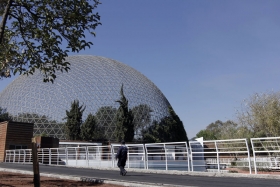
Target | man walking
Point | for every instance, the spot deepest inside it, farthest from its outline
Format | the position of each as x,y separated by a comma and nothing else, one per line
122,156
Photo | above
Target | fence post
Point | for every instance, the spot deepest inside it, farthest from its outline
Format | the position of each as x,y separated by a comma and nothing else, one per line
36,172
249,158
254,156
147,157
218,159
187,149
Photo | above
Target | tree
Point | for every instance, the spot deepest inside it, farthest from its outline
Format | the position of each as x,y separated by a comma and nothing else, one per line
106,120
40,34
154,133
170,129
176,127
89,128
141,118
4,115
125,126
74,121
260,114
220,130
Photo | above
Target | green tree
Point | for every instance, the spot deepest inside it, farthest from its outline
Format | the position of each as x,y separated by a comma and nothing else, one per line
106,120
40,34
170,129
141,118
4,115
221,130
176,127
74,121
89,129
125,126
154,133
260,114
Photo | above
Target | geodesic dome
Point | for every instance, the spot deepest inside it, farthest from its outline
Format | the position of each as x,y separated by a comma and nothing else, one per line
95,82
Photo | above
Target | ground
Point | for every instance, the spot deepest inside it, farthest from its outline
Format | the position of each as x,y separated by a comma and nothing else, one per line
14,180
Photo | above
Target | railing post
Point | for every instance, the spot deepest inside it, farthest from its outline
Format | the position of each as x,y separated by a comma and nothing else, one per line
147,157
128,164
191,156
50,156
144,157
249,158
87,156
166,167
254,156
14,159
66,155
218,159
187,149
24,155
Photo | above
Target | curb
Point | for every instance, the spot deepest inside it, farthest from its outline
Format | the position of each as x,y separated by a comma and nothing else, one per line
75,178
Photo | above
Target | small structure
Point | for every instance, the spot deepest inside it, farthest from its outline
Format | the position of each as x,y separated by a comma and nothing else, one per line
15,135
47,142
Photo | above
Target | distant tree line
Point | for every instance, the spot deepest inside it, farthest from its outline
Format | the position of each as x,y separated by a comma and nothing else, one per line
4,115
258,116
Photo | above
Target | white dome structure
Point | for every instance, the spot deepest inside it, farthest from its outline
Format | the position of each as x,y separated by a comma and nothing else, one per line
95,82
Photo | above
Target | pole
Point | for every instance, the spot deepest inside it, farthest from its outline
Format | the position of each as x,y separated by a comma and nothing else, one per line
36,179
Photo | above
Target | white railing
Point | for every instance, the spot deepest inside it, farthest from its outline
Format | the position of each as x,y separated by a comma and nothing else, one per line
207,156
167,156
220,155
270,147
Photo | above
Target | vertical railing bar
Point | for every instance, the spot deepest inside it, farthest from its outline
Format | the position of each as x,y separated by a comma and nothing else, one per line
248,153
218,159
254,156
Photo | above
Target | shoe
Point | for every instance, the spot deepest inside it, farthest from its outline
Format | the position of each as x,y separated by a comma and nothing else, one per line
124,173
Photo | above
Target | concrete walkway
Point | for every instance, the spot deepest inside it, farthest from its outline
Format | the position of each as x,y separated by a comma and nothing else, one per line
152,178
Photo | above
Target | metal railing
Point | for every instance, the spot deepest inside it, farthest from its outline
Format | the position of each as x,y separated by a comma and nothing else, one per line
220,155
204,156
266,153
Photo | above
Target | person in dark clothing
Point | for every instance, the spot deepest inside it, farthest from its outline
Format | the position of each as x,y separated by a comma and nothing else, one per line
122,156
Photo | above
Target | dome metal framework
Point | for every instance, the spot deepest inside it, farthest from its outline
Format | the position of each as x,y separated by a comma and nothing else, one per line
92,80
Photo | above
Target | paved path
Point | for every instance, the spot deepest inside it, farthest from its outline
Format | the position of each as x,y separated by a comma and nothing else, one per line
150,178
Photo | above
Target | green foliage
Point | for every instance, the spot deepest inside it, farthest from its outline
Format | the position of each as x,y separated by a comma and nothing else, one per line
74,121
170,129
141,118
40,34
124,126
106,119
260,114
221,130
4,116
206,134
89,129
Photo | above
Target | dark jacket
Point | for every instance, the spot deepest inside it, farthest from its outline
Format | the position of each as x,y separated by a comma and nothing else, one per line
122,155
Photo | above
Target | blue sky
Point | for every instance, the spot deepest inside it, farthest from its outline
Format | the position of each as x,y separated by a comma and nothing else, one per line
205,56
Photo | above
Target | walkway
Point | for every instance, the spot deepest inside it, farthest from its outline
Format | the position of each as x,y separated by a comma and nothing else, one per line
150,177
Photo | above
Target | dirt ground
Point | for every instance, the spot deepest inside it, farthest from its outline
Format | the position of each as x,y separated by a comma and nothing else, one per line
14,180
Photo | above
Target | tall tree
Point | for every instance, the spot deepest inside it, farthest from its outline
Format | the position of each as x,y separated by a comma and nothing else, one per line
125,126
260,114
169,129
89,129
141,118
221,130
4,115
176,127
74,121
40,34
106,120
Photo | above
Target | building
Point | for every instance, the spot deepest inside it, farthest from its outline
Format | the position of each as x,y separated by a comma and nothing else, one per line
15,135
96,83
